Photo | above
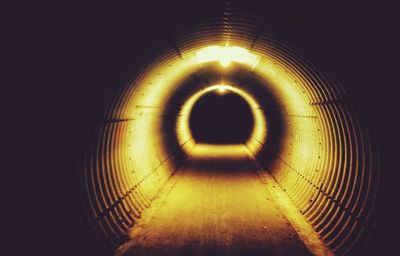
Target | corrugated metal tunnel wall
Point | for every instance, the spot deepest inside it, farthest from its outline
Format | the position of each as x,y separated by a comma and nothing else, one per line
325,161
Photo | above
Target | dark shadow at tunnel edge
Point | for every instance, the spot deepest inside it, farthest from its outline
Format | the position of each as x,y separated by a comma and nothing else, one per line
259,89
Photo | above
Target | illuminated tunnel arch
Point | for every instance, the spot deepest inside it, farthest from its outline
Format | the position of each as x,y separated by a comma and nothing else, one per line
259,131
324,161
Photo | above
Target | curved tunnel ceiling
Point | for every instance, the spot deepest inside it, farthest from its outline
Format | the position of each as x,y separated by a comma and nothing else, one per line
306,134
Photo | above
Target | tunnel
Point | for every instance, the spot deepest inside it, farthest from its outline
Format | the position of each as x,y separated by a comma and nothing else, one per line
228,140
318,158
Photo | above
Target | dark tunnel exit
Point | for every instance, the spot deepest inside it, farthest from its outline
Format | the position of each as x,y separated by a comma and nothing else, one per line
221,117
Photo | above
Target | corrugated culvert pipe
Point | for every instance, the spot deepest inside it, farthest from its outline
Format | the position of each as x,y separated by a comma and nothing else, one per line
303,134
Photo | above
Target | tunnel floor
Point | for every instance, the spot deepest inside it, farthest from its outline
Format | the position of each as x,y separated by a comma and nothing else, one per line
215,204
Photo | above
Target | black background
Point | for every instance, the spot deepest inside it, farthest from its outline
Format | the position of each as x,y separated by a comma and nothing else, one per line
75,56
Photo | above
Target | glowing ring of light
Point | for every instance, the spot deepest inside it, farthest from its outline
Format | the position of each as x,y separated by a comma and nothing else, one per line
259,131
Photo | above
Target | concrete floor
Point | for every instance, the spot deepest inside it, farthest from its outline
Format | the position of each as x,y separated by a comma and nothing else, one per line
215,206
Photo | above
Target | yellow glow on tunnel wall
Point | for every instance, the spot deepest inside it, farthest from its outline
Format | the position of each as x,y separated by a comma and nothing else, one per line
145,104
258,133
227,54
147,151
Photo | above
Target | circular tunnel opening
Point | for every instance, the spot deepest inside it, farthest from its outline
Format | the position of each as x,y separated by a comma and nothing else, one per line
221,117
